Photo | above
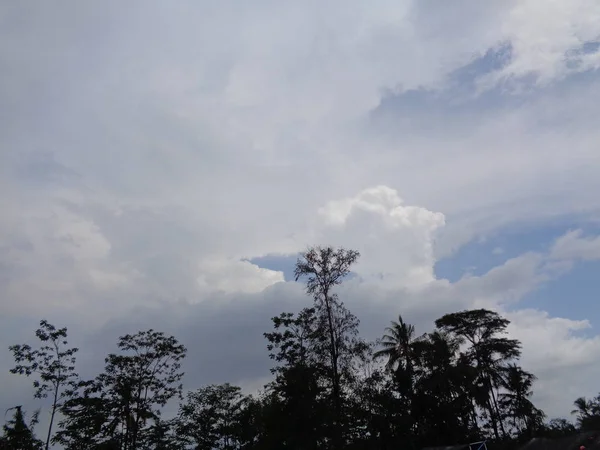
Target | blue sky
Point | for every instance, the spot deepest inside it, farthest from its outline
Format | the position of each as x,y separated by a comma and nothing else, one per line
573,294
143,174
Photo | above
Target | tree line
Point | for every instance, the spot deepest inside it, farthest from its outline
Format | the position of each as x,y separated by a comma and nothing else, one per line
330,389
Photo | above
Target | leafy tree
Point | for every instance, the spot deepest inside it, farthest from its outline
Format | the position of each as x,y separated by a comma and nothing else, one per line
297,404
85,417
324,268
210,418
18,435
557,428
489,350
443,403
162,435
52,364
114,408
379,415
294,340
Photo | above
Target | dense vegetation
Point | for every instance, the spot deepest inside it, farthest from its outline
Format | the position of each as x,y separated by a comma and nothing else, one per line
459,383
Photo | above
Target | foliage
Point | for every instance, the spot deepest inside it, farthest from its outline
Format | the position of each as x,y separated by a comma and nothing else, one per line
587,413
211,417
18,435
118,405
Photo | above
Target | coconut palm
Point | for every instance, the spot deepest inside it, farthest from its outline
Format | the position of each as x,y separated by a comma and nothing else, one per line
398,346
515,401
587,413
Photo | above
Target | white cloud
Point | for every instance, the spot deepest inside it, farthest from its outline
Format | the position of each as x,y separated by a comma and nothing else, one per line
234,276
553,341
574,246
543,35
563,358
396,240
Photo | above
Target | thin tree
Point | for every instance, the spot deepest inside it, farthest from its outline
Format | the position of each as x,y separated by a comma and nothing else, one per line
53,364
325,268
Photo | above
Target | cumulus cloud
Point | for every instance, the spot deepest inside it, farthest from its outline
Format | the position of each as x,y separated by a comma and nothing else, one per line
396,240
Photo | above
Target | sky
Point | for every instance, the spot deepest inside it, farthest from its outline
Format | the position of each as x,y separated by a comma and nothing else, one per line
163,163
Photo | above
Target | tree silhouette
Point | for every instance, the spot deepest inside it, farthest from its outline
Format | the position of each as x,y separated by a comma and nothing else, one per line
18,435
210,417
53,365
461,382
489,351
129,394
587,413
324,268
516,403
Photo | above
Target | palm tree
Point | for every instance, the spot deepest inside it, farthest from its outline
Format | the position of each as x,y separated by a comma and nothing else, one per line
515,400
398,347
398,344
443,407
587,412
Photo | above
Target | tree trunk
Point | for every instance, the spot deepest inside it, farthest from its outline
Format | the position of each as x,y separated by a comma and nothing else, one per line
490,409
335,375
52,417
497,411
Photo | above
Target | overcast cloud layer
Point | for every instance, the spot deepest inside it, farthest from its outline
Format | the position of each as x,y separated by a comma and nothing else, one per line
150,150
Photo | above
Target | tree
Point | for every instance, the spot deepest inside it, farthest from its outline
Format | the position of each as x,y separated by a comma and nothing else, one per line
86,414
378,416
557,428
443,404
516,403
324,268
294,340
53,365
587,413
114,408
398,348
18,435
296,404
162,435
210,418
489,351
